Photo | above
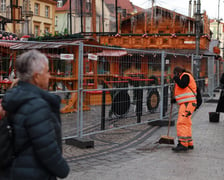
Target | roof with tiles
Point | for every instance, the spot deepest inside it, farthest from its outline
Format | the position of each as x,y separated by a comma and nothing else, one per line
66,6
123,4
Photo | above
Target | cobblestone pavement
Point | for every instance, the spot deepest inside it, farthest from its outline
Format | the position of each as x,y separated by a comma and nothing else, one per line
108,147
132,154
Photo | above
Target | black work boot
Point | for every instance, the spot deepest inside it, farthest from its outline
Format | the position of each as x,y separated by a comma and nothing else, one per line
179,148
191,147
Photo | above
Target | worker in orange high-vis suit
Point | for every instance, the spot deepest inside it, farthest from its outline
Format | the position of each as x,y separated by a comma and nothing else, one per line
185,96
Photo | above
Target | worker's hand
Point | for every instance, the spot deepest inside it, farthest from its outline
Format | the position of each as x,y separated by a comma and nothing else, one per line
176,78
173,100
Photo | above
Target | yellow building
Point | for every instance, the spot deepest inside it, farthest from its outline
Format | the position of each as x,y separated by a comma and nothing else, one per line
43,20
30,17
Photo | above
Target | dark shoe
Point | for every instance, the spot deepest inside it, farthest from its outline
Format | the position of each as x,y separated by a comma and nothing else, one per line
190,147
179,148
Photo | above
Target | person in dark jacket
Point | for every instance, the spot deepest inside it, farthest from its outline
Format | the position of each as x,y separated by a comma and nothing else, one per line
36,122
220,105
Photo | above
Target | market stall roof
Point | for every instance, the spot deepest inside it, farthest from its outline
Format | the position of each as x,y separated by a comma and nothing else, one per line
16,45
6,44
114,53
35,45
28,45
204,52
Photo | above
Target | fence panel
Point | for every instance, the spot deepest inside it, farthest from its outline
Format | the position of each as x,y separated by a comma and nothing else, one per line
103,88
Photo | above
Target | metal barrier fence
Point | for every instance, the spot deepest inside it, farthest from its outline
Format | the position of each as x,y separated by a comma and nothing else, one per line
104,88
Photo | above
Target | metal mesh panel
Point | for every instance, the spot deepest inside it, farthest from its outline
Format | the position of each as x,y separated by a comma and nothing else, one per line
104,87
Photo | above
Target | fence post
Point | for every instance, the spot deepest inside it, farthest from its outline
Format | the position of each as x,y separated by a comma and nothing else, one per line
210,76
139,94
162,85
103,107
80,91
80,141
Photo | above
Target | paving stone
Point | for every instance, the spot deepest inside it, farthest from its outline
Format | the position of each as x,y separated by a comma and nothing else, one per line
123,155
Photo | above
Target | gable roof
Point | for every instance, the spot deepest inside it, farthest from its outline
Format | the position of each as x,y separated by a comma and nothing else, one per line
66,6
123,4
161,9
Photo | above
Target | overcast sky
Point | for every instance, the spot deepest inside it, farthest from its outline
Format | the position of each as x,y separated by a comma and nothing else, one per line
181,6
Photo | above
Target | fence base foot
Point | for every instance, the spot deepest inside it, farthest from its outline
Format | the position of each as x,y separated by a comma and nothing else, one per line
212,101
216,90
162,123
80,142
205,95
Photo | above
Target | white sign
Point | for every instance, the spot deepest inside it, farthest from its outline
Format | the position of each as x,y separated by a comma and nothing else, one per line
92,57
167,61
189,42
67,56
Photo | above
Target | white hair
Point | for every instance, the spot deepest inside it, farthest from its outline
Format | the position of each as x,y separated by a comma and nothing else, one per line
29,63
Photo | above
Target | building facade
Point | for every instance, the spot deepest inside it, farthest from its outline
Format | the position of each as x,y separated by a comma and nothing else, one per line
218,34
28,17
43,20
4,13
90,15
79,18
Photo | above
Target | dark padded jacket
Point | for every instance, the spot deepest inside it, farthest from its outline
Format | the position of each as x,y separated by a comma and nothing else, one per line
37,127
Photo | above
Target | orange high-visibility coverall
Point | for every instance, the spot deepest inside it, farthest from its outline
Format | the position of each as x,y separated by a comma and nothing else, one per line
187,104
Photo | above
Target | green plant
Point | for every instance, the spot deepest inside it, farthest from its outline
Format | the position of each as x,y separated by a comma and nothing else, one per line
65,31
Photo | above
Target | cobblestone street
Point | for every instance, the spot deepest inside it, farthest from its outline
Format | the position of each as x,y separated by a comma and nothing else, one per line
132,153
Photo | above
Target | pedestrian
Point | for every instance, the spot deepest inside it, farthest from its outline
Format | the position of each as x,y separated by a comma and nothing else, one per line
220,105
36,121
185,96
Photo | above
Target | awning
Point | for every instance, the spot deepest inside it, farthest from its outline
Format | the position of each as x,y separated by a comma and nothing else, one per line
6,44
182,51
112,53
45,45
35,46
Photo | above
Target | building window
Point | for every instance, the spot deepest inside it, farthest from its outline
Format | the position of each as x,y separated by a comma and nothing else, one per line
36,9
47,11
56,20
88,6
3,5
59,3
37,30
46,30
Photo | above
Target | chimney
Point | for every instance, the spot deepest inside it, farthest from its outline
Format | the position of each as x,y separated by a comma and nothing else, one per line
194,8
189,10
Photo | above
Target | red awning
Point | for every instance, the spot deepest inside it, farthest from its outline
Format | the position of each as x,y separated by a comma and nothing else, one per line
6,44
112,53
35,46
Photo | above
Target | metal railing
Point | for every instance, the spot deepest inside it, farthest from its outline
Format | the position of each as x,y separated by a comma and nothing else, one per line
105,88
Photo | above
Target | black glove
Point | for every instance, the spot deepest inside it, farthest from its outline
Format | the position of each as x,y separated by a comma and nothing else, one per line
173,100
176,78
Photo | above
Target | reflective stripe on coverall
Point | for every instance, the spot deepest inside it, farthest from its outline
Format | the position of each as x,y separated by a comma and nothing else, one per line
187,104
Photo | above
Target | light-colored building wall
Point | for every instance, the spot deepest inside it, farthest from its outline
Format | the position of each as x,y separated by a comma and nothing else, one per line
214,29
63,20
5,13
3,8
107,17
29,24
41,23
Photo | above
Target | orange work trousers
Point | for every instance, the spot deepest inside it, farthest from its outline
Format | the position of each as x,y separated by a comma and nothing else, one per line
184,123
